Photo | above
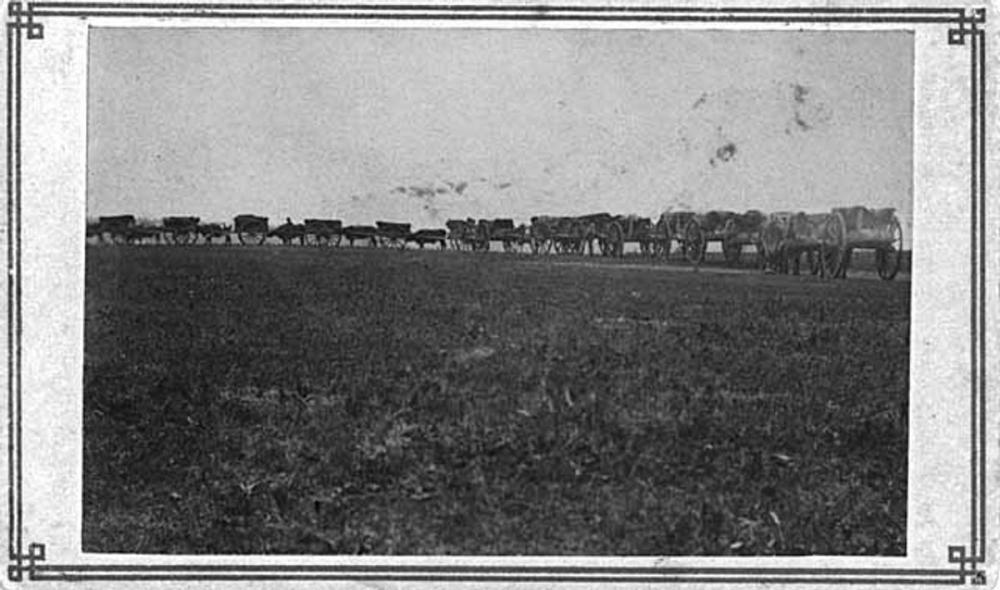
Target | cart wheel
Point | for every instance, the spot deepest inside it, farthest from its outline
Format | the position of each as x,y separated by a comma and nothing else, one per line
508,246
117,238
890,258
732,251
694,243
254,236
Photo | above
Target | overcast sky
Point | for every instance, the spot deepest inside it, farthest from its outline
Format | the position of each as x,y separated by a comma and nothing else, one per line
423,125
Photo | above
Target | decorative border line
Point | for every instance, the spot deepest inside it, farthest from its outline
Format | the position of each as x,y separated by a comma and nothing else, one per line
966,23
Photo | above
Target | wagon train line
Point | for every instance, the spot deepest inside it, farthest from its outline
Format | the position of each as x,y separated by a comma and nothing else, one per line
780,242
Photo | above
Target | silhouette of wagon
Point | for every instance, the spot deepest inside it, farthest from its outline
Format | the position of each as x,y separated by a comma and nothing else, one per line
116,229
392,235
181,230
735,231
565,235
463,234
250,229
354,233
323,232
503,230
612,232
861,228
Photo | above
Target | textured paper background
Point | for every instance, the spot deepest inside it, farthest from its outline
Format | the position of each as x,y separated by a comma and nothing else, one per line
53,210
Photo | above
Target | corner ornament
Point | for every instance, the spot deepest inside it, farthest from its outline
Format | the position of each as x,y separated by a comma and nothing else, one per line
957,554
15,572
24,18
968,25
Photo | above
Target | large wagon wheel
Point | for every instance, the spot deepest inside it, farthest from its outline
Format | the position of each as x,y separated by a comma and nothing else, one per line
118,237
508,245
318,238
732,250
889,259
832,261
253,235
694,242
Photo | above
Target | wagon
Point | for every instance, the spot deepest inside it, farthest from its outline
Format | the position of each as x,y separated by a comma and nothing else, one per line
322,232
566,235
740,231
787,236
115,228
423,237
463,234
181,230
501,230
674,225
250,229
288,232
393,235
612,232
861,228
361,232
733,230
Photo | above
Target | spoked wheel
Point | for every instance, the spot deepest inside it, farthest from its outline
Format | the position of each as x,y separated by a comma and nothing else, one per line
694,242
252,236
508,246
732,251
889,259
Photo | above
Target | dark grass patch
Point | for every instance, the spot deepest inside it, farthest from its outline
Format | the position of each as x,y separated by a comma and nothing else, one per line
269,400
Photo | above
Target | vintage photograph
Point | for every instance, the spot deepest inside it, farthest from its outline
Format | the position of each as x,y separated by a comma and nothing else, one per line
497,291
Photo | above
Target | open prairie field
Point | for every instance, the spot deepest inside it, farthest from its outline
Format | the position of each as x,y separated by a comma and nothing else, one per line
304,400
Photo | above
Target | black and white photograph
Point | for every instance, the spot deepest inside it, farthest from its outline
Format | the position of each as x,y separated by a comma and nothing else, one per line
416,291
500,293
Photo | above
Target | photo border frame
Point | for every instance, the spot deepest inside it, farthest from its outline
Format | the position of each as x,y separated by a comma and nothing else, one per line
965,27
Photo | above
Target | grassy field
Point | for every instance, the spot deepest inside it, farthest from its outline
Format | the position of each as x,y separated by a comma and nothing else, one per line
300,400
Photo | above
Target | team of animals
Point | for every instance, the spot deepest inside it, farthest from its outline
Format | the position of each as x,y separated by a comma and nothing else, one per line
781,240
